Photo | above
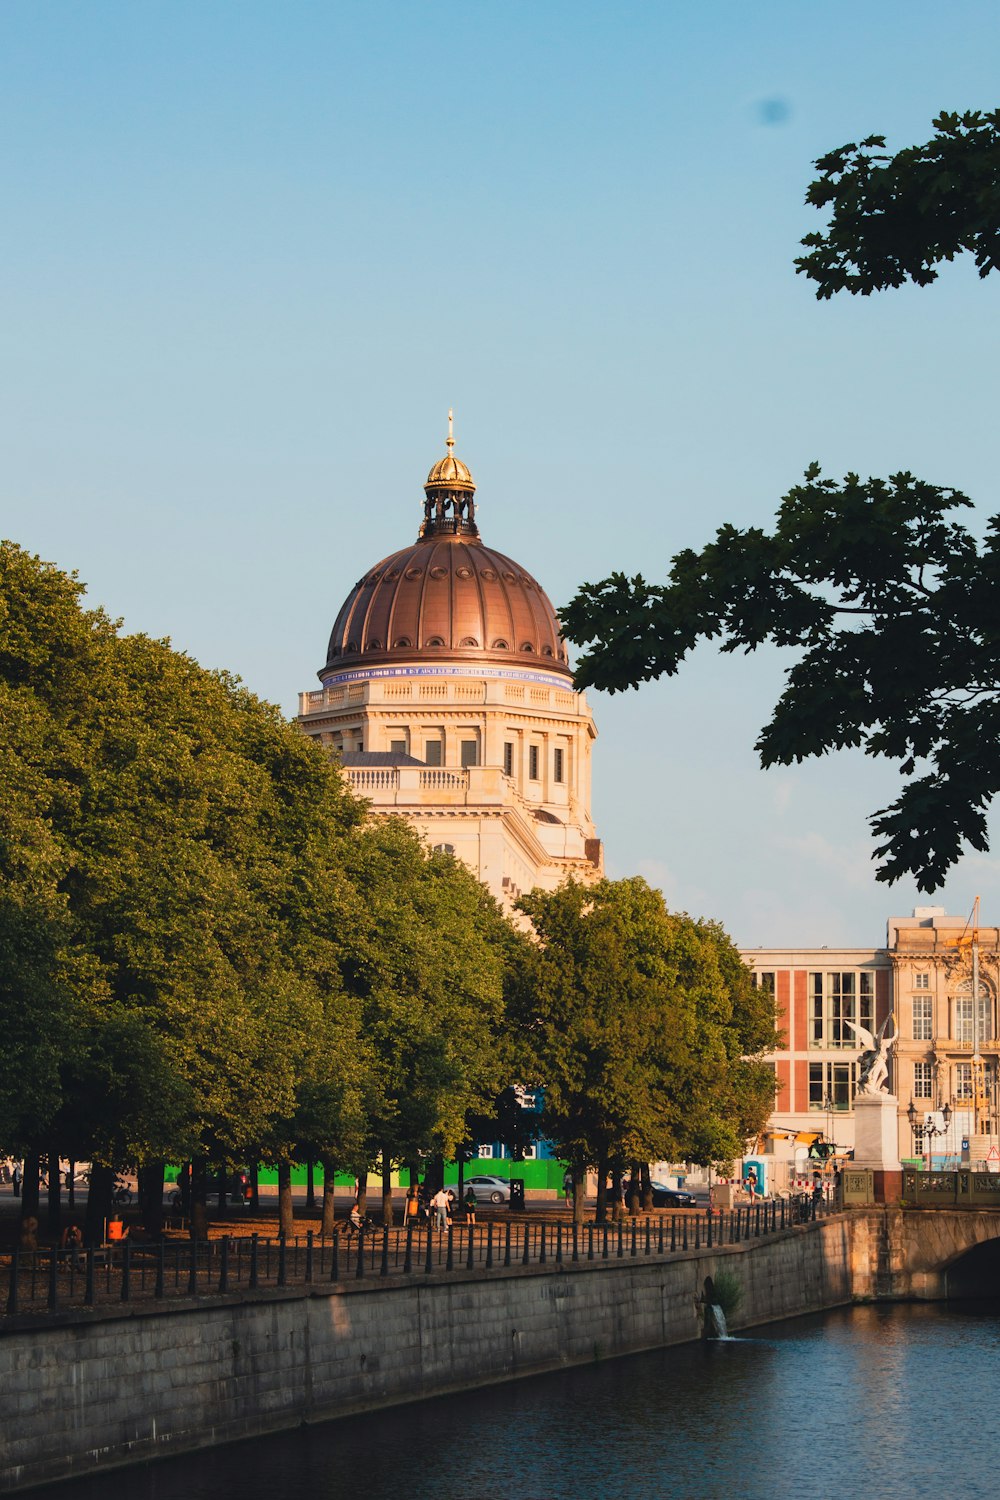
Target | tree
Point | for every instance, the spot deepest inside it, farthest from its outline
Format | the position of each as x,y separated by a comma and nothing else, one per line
864,576
171,854
427,957
895,218
636,1023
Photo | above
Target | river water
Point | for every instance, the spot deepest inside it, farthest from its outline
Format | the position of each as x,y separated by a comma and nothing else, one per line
877,1402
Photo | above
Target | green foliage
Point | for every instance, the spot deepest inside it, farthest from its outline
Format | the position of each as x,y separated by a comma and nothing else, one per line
860,576
728,1293
892,605
637,1022
166,969
895,218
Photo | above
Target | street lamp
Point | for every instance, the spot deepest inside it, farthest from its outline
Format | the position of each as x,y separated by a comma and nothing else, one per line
932,1129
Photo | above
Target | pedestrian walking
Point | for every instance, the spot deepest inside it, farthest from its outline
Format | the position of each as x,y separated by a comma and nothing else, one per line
439,1203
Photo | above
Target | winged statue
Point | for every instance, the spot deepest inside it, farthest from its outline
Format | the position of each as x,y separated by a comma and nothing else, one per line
874,1059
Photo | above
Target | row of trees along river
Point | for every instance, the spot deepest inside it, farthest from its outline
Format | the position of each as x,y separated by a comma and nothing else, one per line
210,954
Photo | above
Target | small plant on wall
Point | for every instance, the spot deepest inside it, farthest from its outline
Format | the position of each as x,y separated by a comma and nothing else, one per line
728,1293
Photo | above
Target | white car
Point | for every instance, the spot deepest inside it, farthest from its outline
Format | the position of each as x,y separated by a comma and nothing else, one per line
488,1189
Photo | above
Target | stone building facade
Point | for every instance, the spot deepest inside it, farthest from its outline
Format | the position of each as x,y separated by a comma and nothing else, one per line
448,695
944,1053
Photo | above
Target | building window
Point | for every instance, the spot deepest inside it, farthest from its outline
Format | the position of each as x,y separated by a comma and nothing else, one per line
443,848
432,752
832,1085
923,1019
508,758
533,762
485,1152
397,747
765,981
923,1080
921,981
836,999
557,766
918,1140
963,1019
963,1080
470,753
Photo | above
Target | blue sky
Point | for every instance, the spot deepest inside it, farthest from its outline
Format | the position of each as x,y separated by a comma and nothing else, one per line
253,252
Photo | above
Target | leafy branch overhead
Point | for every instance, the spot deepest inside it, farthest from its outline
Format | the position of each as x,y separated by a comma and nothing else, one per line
895,218
890,603
895,614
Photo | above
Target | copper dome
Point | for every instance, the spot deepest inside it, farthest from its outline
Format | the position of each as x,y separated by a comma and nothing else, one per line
447,597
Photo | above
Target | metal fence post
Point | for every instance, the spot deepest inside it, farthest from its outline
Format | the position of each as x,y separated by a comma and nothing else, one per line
526,1245
429,1259
309,1256
126,1290
489,1245
708,1237
15,1272
254,1253
541,1247
52,1300
559,1244
359,1255
576,1243
506,1243
193,1269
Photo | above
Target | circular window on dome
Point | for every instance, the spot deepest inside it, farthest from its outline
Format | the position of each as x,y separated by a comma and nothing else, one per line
510,577
489,575
439,572
373,578
435,640
468,640
352,645
546,650
463,572
374,646
501,646
392,573
403,640
529,583
527,646
414,573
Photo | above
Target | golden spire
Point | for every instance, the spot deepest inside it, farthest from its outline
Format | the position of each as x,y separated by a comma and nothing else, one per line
451,431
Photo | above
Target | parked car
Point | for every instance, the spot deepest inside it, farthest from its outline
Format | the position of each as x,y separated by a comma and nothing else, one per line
668,1197
489,1189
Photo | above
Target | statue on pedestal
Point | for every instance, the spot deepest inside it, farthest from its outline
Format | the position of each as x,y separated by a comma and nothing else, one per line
874,1059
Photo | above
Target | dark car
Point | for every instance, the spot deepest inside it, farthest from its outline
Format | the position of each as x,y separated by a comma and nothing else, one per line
668,1197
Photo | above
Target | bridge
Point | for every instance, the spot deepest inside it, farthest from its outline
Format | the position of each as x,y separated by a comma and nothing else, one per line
941,1243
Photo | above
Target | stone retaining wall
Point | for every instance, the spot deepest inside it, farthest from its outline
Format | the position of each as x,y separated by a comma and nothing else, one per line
93,1392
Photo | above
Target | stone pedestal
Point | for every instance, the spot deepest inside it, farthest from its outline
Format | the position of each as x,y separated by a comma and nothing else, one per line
876,1143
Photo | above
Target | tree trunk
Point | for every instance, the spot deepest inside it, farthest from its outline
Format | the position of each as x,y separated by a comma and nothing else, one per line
617,1206
647,1188
98,1203
329,1202
633,1191
151,1196
363,1192
220,1188
579,1194
286,1213
71,1186
310,1182
386,1187
254,1188
461,1176
601,1213
54,1216
199,1198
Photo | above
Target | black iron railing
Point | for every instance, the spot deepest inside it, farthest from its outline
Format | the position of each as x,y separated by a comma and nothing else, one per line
42,1281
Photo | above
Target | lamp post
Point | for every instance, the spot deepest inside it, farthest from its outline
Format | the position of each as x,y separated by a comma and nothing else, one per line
911,1115
932,1130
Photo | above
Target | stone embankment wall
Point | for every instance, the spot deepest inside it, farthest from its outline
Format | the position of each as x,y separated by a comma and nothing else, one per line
104,1389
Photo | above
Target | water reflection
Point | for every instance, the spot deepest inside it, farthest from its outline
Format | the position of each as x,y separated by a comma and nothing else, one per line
873,1401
